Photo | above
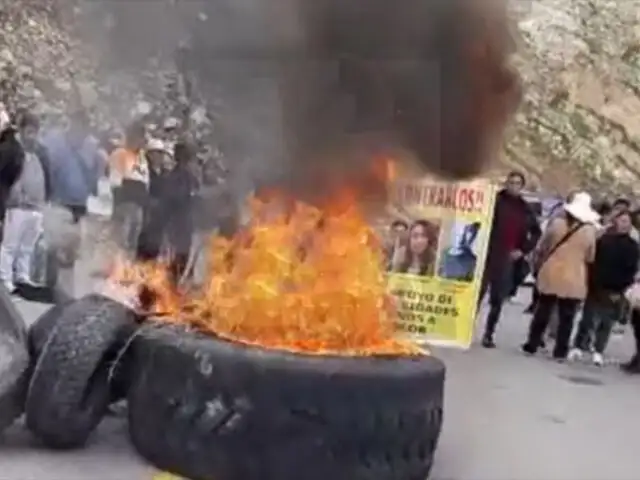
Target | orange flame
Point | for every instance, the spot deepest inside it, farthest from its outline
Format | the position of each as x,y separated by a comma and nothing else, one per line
299,278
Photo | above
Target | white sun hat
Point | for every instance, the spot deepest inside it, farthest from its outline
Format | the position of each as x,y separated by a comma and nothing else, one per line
157,145
580,208
171,123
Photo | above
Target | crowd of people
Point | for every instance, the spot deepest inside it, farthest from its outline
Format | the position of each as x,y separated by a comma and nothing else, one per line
47,176
585,260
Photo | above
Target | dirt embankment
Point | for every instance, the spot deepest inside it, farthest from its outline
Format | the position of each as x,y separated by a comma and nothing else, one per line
579,124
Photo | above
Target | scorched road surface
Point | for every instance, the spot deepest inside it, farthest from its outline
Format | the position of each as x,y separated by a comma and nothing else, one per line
507,417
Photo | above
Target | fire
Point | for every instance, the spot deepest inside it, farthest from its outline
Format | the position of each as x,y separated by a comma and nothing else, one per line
157,295
299,277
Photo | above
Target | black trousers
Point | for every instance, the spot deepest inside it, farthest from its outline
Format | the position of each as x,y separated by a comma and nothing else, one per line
177,228
78,212
597,322
585,334
567,308
498,282
635,326
521,270
535,294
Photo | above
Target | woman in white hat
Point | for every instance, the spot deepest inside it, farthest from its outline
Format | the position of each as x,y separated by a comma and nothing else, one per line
563,255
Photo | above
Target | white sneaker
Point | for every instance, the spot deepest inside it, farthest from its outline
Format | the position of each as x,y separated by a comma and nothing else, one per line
575,355
598,359
618,330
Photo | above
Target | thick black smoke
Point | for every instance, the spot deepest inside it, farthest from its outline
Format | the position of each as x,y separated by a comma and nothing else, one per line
307,91
423,78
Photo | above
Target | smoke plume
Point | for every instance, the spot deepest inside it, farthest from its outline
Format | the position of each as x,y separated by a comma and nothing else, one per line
307,92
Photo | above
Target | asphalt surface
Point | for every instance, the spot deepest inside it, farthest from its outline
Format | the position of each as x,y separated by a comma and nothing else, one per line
507,417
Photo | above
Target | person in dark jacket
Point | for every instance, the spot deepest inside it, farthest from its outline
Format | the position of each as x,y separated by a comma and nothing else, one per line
24,203
612,272
607,214
633,365
11,161
170,215
514,233
152,234
183,184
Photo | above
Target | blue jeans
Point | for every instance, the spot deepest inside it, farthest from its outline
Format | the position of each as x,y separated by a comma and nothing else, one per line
598,318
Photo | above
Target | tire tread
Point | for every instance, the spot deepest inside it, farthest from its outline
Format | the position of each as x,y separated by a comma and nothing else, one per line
245,421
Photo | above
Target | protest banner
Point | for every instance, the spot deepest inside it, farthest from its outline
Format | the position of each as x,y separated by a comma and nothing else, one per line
436,242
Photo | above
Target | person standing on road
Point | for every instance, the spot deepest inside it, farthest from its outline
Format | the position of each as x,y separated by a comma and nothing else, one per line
514,234
180,207
11,162
604,209
25,203
633,298
153,232
129,176
562,258
556,211
608,213
612,272
171,208
77,163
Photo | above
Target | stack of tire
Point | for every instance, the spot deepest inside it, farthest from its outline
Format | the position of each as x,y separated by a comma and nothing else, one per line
14,361
205,408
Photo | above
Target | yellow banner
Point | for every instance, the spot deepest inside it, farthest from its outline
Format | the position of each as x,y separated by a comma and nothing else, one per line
436,237
167,476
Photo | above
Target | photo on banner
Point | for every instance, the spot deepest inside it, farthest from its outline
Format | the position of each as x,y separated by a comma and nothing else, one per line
436,235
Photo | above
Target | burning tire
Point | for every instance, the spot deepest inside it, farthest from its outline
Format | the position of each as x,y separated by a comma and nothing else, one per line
14,362
206,408
70,387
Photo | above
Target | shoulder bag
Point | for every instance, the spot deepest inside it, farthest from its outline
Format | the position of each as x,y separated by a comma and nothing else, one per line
539,262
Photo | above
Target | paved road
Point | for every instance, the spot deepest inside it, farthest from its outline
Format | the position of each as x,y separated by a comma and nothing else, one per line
507,417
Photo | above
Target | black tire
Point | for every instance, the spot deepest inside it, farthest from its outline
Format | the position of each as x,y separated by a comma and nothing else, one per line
70,387
208,409
14,377
41,329
11,322
14,361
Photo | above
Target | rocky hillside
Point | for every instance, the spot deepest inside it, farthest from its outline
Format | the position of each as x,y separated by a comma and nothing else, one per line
579,123
46,65
580,120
